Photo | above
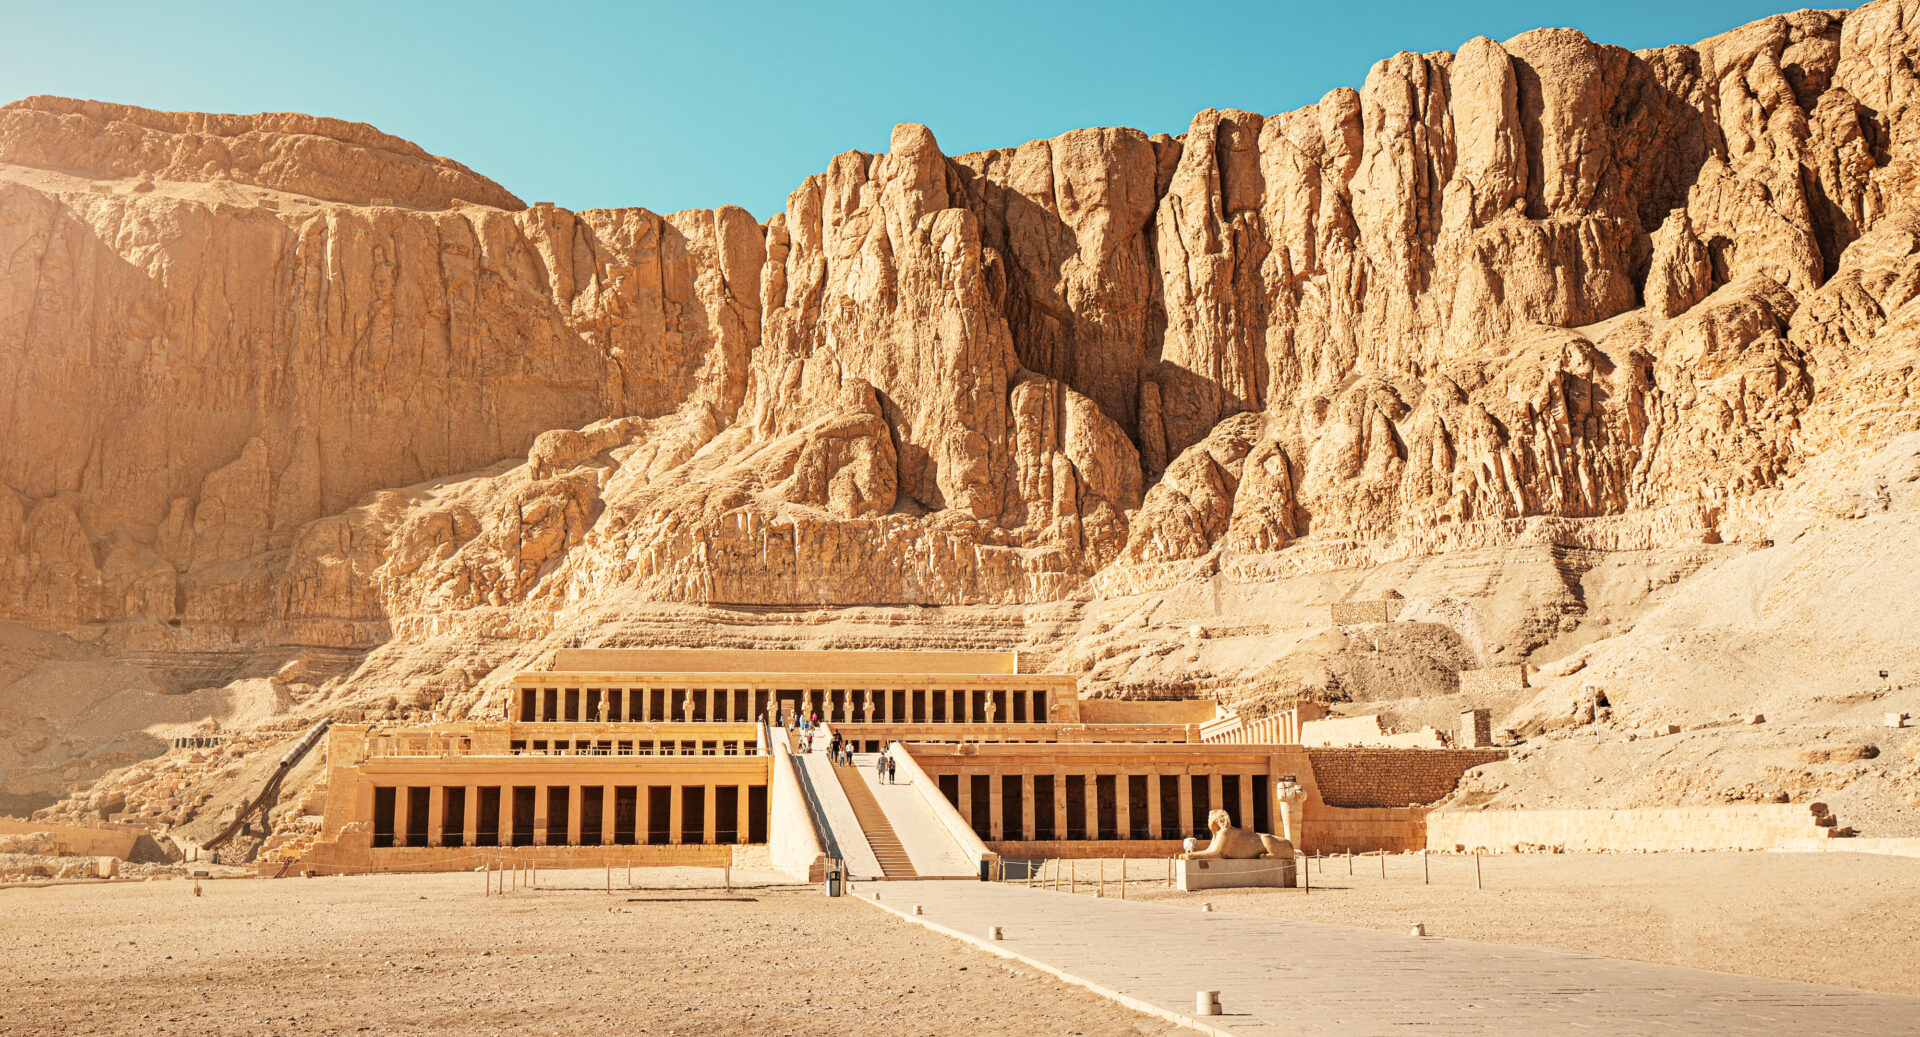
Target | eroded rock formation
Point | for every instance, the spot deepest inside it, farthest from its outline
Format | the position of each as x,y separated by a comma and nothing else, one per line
292,380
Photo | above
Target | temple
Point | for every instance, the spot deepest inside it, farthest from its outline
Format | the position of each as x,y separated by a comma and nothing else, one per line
672,756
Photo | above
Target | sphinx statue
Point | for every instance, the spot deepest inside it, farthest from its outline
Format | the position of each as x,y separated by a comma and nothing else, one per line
1238,844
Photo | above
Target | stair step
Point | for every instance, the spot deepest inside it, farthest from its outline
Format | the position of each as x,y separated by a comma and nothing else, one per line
881,838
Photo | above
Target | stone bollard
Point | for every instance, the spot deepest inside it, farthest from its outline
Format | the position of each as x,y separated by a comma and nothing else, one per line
1419,929
1206,1002
917,910
1206,905
1896,720
993,933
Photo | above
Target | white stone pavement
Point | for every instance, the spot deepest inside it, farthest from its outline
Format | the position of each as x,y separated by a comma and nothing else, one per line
1277,976
929,845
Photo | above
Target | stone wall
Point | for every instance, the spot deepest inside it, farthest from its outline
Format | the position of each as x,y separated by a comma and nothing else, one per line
1491,681
1367,730
1369,777
80,840
1752,826
1349,613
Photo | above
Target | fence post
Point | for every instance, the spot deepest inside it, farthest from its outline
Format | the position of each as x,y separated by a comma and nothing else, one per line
1476,870
1123,876
1426,878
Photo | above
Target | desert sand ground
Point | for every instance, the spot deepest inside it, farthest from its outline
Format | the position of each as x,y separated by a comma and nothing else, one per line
417,954
1840,918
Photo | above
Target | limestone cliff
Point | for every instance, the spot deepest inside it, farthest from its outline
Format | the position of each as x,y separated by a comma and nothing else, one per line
281,383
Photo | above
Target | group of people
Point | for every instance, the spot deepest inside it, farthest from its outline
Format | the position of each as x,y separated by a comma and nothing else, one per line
840,750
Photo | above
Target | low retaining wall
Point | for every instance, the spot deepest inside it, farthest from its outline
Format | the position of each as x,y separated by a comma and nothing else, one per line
1363,830
1085,849
1885,847
1371,777
80,840
1755,826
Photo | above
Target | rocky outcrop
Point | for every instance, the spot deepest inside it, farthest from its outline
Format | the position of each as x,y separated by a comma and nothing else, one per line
290,374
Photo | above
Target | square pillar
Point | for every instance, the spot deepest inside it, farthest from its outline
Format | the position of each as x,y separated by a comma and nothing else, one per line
1060,805
1246,800
711,815
712,696
1026,805
996,807
1154,820
402,815
470,817
1123,805
1092,804
607,798
1215,801
1186,807
436,814
966,797
673,815
539,815
506,815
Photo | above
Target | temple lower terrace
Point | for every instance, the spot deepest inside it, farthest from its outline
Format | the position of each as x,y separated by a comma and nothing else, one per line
664,757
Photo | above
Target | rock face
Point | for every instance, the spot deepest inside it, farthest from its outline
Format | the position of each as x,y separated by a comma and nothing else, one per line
289,380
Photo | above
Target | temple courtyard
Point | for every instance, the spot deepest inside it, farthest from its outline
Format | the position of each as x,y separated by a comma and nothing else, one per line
407,954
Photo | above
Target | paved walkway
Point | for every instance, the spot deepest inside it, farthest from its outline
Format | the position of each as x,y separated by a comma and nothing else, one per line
1278,976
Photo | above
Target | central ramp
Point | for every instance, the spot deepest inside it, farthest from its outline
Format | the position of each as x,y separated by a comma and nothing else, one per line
929,846
881,838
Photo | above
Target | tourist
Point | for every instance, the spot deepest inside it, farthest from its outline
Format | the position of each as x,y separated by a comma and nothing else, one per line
893,774
880,767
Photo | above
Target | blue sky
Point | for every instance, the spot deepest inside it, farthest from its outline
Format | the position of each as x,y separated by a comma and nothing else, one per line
697,104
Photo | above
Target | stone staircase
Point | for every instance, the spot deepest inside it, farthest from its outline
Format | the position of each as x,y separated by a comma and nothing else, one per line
887,848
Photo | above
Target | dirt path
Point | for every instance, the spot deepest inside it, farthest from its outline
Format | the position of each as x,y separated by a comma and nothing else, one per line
390,954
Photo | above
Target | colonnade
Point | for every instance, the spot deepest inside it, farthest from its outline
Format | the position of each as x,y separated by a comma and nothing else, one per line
569,815
1116,804
895,705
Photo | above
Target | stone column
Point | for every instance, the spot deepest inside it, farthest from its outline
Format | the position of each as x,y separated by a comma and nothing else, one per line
711,696
674,814
1246,800
470,816
540,815
402,815
1180,829
1093,804
1214,799
606,815
709,831
996,808
966,798
573,815
866,705
642,819
1123,805
1026,805
1291,798
1154,820
742,815
1060,805
436,814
